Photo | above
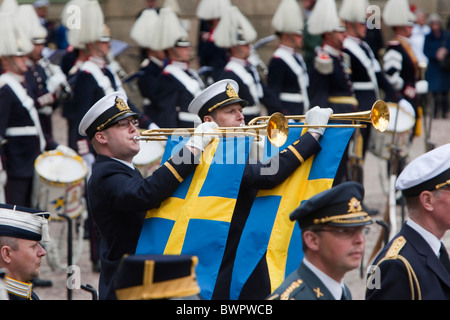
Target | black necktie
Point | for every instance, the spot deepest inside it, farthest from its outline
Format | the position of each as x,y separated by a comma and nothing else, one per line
443,256
344,296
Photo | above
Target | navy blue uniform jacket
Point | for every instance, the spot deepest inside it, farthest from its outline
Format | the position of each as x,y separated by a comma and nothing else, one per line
433,279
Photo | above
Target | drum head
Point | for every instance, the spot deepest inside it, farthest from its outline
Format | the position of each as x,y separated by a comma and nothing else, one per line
57,167
150,152
401,121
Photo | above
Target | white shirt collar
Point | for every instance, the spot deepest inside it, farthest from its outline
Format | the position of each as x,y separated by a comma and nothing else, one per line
125,163
430,238
332,285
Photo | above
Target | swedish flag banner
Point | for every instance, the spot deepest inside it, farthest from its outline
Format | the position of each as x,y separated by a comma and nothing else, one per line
269,230
195,220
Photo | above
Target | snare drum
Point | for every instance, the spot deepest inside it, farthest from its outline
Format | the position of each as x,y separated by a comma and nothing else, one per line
59,184
149,157
403,124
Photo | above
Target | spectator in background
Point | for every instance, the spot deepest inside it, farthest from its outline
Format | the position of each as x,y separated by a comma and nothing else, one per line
419,31
436,46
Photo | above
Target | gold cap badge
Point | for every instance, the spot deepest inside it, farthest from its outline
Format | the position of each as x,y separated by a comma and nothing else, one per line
231,93
121,105
354,206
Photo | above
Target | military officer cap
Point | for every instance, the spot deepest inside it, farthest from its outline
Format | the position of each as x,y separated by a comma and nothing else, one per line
24,223
220,94
339,206
105,113
150,277
428,172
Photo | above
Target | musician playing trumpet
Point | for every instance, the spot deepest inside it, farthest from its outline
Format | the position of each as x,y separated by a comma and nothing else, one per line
221,104
118,195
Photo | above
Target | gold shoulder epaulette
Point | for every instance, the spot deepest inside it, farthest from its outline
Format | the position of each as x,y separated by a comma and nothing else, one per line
294,285
395,247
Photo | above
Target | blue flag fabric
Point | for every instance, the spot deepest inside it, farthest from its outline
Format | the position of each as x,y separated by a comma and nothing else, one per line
268,229
195,220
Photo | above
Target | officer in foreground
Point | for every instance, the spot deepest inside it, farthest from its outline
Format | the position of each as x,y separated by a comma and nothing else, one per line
415,264
21,231
333,225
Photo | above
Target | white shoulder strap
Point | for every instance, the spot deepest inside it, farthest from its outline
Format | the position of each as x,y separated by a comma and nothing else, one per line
191,85
299,70
27,103
102,80
247,78
366,61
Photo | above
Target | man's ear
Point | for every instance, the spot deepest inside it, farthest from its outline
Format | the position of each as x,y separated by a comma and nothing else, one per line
101,137
208,119
5,253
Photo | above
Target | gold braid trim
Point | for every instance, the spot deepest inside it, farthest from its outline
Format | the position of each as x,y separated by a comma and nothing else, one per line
343,218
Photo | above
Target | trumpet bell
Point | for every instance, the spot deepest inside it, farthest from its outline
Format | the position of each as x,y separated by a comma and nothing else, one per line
380,116
277,129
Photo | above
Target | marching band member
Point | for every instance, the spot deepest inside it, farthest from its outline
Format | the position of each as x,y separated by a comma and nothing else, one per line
118,195
221,104
178,83
235,33
20,123
212,59
288,75
44,88
330,81
143,32
399,62
367,76
332,224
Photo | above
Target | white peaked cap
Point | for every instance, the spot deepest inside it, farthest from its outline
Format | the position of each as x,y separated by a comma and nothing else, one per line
212,9
398,13
354,10
24,223
288,18
324,18
234,29
9,6
145,29
172,4
28,20
426,172
169,29
13,40
92,24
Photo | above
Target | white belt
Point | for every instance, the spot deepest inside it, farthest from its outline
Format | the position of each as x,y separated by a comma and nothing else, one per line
291,97
46,110
188,117
363,86
252,110
21,131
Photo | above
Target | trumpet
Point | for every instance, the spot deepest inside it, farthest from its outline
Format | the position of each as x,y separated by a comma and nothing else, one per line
276,126
378,116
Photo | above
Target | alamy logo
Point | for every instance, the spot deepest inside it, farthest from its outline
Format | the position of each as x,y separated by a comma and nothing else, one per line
73,20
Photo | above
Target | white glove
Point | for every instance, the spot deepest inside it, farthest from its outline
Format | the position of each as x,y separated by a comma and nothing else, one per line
422,87
318,116
153,126
405,106
55,81
199,140
66,150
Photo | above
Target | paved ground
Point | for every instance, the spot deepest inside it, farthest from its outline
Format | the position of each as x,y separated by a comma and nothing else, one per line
375,198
